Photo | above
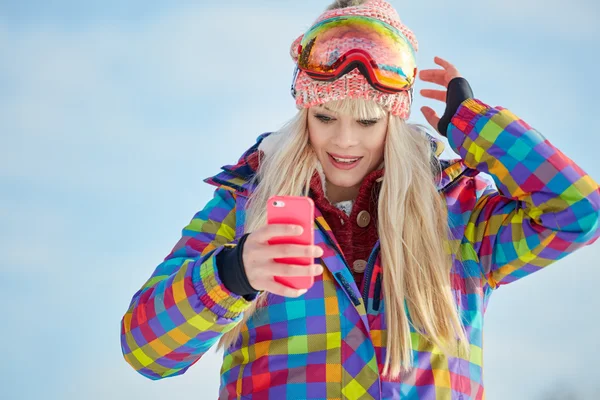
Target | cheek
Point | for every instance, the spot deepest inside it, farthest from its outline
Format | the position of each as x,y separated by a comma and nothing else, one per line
316,136
377,143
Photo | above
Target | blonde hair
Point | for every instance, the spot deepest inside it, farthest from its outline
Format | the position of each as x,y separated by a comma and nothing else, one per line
412,228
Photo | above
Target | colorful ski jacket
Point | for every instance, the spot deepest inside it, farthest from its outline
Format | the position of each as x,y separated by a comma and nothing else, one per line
330,342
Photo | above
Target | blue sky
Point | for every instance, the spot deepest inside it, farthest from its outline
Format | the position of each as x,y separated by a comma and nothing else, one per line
112,113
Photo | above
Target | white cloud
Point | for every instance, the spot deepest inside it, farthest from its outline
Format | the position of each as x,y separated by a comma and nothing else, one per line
539,329
573,20
576,20
82,100
33,242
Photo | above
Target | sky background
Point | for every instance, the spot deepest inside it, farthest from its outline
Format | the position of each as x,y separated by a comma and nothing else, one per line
112,113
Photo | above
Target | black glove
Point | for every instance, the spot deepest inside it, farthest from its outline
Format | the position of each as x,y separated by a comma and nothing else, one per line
234,275
459,90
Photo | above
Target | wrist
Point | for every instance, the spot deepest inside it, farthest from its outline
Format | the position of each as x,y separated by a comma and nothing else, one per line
459,90
231,269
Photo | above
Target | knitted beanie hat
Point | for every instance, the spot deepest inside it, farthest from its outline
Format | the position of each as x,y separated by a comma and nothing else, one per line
310,92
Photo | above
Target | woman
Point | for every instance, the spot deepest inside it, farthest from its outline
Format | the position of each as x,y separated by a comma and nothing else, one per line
408,247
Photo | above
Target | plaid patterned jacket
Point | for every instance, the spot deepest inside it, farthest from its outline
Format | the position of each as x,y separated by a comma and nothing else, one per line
330,343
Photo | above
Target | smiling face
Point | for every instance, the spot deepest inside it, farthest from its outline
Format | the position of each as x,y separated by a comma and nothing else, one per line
349,140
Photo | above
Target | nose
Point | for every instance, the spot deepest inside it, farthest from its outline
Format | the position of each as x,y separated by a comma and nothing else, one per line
345,136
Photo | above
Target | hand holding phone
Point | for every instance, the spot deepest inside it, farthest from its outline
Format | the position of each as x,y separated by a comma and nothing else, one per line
279,257
294,210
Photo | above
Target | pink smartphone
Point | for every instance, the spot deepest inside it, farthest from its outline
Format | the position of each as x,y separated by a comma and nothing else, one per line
296,210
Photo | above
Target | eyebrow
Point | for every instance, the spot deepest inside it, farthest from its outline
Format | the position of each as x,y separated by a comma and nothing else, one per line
325,108
362,119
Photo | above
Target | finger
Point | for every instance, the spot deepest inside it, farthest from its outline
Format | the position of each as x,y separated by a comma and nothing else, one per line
293,250
442,63
282,290
273,230
434,94
431,116
278,269
451,70
433,75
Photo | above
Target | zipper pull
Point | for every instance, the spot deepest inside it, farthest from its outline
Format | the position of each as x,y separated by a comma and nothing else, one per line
348,289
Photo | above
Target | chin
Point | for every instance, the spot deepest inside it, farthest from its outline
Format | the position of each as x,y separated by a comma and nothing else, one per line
345,181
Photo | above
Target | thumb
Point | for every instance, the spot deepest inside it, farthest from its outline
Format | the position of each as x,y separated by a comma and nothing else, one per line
431,117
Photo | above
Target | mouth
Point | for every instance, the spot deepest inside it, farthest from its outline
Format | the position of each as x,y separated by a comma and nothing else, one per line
344,162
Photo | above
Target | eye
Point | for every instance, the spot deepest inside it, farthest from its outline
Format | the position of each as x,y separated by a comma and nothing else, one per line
368,122
324,118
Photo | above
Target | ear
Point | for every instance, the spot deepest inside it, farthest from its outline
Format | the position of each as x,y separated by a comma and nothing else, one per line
294,48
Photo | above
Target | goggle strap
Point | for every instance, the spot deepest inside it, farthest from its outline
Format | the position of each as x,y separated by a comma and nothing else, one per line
293,88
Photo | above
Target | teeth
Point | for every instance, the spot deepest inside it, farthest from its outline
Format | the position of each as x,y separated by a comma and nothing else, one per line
344,160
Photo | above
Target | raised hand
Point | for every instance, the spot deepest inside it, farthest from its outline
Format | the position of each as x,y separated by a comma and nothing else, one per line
443,77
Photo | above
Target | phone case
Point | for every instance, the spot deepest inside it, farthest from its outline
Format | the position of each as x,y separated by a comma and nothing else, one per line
297,210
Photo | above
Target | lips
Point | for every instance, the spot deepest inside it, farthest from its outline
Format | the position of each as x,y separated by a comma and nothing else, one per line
344,158
343,162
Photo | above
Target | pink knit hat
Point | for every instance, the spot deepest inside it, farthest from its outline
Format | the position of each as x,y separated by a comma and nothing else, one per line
310,92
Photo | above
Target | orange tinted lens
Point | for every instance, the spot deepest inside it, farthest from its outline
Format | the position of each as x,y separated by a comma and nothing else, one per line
327,45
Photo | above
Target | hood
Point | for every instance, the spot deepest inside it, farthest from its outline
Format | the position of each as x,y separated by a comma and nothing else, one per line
240,176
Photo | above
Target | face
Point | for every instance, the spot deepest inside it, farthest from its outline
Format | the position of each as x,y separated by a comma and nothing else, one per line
348,149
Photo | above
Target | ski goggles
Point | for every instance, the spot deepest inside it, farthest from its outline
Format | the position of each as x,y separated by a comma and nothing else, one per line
338,45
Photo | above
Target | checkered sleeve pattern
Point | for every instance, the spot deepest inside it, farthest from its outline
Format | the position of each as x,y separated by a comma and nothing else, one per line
183,309
545,206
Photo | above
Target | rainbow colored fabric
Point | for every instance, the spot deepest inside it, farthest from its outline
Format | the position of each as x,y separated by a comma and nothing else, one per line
330,343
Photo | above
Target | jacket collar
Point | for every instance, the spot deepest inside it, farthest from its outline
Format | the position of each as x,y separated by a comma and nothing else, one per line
240,176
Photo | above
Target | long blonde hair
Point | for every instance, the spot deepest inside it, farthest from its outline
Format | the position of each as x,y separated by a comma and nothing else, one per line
412,228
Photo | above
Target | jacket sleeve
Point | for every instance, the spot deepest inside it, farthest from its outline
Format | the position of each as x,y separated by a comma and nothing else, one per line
545,207
184,309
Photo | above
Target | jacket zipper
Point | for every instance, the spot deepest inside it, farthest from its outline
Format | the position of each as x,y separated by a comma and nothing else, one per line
371,262
372,257
369,273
